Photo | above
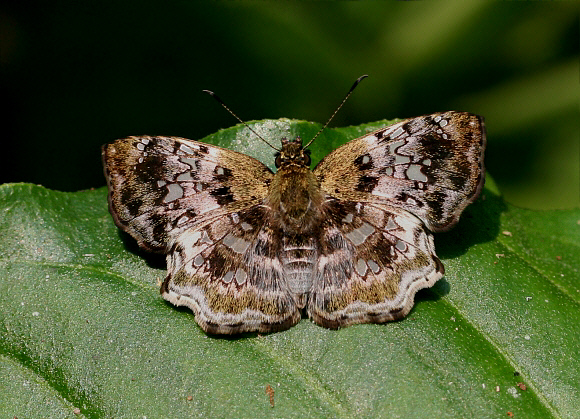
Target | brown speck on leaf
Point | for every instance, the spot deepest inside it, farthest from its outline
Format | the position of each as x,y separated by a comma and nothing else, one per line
522,386
558,257
506,233
499,255
270,393
189,398
77,411
510,414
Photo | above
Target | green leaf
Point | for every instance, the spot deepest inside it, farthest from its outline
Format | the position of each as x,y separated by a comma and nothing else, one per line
84,326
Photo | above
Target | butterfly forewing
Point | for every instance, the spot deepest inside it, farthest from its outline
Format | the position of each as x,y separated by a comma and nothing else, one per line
431,166
161,186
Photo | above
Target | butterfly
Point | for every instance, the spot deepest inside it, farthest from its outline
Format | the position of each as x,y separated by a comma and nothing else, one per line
350,241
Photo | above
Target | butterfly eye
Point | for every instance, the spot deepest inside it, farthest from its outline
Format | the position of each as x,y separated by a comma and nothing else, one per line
278,161
306,158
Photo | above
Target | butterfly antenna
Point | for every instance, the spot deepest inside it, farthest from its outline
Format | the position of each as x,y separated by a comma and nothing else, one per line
361,78
221,102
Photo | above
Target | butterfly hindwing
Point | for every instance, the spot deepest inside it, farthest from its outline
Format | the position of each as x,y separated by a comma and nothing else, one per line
373,259
160,186
228,273
431,166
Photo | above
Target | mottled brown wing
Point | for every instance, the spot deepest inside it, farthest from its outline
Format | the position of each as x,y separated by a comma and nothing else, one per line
202,205
431,166
161,186
228,272
373,259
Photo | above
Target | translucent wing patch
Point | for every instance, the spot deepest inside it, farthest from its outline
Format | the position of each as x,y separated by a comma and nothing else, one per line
161,186
431,166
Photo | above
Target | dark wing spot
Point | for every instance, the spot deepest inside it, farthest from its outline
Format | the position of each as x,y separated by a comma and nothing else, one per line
337,209
227,174
381,251
160,231
133,205
218,265
404,197
150,170
254,216
436,148
367,183
458,181
436,202
223,195
364,162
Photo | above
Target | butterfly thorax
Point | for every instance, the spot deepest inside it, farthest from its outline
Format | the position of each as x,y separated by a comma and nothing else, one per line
294,195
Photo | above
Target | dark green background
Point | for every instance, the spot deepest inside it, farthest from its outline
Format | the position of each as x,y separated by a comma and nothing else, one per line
76,75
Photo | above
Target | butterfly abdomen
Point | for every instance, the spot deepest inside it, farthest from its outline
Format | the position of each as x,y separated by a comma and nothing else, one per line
299,255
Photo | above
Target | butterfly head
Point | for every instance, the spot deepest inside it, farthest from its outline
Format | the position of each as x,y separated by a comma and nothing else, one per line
292,153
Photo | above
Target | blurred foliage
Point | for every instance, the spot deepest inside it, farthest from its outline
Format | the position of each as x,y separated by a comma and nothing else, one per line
76,75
